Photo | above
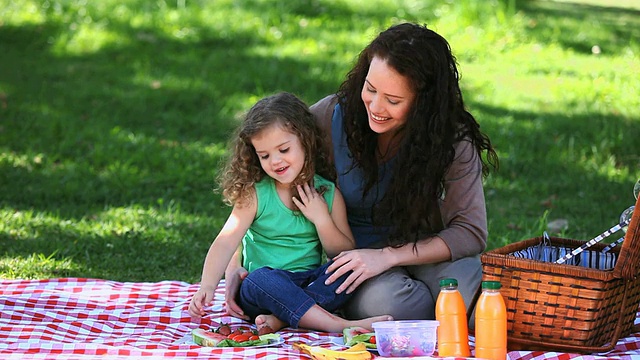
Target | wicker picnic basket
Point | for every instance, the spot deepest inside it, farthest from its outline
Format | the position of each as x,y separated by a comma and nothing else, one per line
563,307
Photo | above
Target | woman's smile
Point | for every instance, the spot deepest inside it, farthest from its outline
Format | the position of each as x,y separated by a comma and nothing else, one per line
379,118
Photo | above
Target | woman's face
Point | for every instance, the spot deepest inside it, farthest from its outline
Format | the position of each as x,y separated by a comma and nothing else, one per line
387,96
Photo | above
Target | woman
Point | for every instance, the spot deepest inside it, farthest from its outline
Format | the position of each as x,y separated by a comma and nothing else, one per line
409,164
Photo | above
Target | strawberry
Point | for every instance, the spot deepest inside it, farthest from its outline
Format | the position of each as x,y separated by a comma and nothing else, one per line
265,330
223,329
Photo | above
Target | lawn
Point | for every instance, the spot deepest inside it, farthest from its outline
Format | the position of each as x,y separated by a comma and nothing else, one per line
114,115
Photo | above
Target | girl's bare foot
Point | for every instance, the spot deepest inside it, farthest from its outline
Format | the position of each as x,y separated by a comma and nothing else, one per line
267,324
366,323
317,318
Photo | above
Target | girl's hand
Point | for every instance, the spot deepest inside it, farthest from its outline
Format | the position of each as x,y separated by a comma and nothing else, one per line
364,264
203,297
312,205
232,288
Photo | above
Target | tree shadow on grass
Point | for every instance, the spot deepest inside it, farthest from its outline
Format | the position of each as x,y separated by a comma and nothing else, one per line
132,253
568,24
567,186
120,136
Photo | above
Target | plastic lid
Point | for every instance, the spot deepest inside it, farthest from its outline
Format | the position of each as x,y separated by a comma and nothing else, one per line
405,324
448,282
495,285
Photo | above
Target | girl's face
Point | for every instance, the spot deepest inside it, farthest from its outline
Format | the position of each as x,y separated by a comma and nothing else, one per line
387,96
280,152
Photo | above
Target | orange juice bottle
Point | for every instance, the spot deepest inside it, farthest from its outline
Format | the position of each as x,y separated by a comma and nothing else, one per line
453,332
491,323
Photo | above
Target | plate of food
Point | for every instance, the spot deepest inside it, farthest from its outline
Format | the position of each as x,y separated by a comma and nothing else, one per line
353,335
224,336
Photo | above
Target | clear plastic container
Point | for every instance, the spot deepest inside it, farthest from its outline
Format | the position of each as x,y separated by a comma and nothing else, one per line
406,337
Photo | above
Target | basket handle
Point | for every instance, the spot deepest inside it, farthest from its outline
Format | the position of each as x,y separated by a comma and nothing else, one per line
629,259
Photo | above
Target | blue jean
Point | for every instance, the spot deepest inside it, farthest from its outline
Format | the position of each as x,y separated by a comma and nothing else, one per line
289,295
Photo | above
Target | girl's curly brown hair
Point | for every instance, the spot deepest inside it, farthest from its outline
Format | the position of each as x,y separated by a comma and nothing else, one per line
437,121
242,169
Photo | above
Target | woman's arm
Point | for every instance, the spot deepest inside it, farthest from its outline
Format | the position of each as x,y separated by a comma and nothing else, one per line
367,263
463,210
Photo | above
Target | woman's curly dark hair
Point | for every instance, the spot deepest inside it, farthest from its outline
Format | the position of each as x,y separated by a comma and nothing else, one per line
436,122
243,168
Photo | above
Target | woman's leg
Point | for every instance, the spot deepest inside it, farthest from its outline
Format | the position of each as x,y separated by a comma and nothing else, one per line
393,292
468,272
410,293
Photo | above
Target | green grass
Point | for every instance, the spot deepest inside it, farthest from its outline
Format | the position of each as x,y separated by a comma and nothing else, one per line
114,115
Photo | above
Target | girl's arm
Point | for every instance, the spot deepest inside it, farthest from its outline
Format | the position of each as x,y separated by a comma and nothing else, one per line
220,253
333,229
339,238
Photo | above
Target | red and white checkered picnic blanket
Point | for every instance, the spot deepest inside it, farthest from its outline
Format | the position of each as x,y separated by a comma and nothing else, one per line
74,318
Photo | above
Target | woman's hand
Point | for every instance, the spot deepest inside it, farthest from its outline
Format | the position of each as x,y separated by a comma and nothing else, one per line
364,264
232,288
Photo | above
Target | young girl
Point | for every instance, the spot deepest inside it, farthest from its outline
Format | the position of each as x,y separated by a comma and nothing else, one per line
285,212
